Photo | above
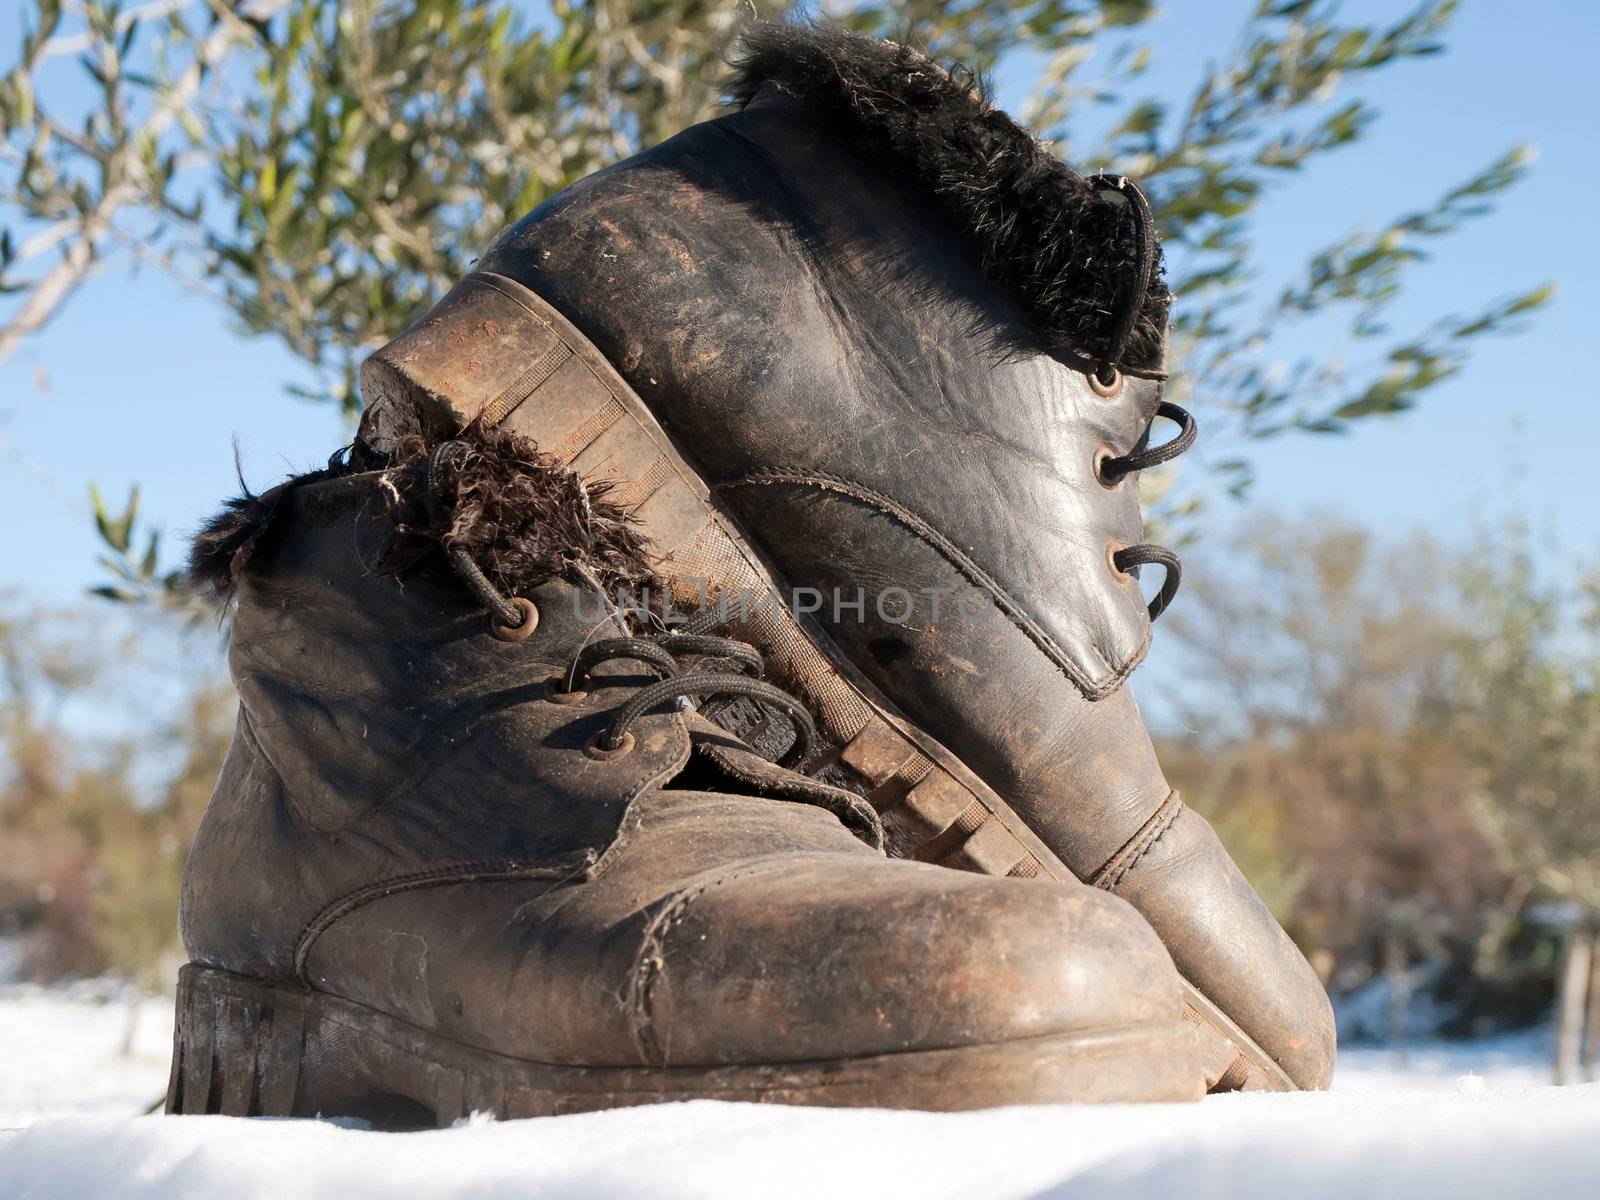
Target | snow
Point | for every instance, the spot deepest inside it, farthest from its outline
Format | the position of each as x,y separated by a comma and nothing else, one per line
1459,1120
1516,1060
61,1052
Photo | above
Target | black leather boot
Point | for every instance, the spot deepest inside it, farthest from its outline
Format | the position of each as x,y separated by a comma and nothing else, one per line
864,337
474,849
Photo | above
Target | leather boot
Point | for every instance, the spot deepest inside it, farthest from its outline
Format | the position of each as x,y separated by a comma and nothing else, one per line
865,339
474,849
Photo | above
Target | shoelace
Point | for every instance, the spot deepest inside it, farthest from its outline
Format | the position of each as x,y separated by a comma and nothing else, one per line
1108,376
678,684
514,618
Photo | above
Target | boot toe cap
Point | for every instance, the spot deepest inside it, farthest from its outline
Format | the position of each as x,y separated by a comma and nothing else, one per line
1231,948
780,959
893,957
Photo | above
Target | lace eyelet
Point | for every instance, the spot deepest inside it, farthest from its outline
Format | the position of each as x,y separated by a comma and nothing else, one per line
1101,457
595,750
556,694
521,631
1113,548
1126,560
1102,388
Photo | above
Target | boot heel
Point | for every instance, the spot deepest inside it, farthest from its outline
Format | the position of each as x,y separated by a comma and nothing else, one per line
245,1048
236,1048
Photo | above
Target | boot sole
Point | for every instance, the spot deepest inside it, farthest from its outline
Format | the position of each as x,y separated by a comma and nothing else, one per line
245,1048
580,411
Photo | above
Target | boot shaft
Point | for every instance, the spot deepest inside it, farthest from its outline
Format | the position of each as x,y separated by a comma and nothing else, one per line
787,307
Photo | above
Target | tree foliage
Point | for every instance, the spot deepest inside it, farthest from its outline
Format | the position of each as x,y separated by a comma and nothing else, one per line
328,169
96,813
97,169
1527,715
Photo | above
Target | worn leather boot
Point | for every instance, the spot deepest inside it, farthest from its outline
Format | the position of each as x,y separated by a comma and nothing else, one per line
474,850
864,338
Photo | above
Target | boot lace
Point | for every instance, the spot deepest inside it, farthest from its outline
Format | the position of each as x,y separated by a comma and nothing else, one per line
513,618
1107,376
678,684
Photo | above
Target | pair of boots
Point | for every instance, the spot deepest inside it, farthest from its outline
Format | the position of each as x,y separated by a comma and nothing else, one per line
493,837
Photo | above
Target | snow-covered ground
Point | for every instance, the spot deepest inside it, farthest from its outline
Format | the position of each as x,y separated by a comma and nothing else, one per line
61,1052
1454,1120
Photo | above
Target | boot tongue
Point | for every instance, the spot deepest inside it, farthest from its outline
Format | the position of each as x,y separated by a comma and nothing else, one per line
579,613
754,775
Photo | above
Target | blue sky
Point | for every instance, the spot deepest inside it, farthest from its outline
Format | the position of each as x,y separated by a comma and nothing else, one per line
140,381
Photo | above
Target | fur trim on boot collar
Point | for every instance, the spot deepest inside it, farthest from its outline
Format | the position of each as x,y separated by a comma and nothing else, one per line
1045,233
221,551
520,515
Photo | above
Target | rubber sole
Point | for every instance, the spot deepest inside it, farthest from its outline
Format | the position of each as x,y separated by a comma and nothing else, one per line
494,350
245,1048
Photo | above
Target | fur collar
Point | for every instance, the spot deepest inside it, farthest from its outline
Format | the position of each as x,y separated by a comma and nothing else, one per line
520,515
1044,232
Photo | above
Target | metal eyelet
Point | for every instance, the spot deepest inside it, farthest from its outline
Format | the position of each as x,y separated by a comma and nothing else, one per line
1101,457
1113,547
521,631
556,694
595,750
1101,387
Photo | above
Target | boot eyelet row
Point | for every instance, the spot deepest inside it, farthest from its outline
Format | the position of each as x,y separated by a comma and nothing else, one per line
1106,389
596,750
521,631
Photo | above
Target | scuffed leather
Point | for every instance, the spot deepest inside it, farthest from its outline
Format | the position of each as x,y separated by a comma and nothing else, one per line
383,731
1084,775
406,820
789,308
1186,881
727,929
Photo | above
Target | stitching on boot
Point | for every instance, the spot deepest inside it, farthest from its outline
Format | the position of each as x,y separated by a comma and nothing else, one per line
650,962
965,566
1119,865
471,872
586,863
